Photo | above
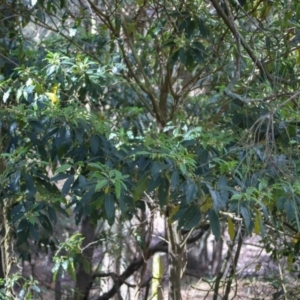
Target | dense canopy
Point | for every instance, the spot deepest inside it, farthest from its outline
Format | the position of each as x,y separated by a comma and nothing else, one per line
115,111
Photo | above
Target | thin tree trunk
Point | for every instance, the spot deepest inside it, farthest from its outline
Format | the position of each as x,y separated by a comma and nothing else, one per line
8,261
232,273
177,261
57,291
217,258
2,267
2,231
117,230
84,277
157,277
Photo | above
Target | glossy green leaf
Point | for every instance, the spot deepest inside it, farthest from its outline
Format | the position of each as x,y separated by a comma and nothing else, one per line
67,185
63,168
246,217
60,176
190,27
214,223
97,166
34,232
71,270
140,188
23,225
183,56
289,210
52,214
175,179
183,169
23,231
188,217
118,186
17,212
156,169
163,192
191,192
109,206
46,224
174,58
202,27
223,189
101,184
218,203
14,181
94,141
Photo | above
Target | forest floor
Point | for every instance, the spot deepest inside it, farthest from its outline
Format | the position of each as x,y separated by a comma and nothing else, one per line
242,289
192,289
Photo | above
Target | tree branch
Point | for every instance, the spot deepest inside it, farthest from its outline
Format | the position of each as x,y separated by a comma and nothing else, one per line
137,263
133,267
238,36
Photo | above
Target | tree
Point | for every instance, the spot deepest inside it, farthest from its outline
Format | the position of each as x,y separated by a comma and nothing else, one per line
191,104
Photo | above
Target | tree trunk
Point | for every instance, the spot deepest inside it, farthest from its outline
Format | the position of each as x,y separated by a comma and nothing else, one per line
157,276
2,232
2,267
84,277
217,258
177,261
8,260
57,289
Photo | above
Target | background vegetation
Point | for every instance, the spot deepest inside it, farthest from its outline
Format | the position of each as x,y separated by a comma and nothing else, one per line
130,128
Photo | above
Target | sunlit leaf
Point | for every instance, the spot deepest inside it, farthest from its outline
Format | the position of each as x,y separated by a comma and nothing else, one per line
118,189
257,222
63,168
231,229
101,184
71,270
6,95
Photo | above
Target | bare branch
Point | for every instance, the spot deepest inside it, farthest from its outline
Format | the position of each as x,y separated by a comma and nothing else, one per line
133,267
238,36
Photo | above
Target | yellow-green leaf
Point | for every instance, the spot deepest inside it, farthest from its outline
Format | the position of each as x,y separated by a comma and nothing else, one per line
257,223
231,229
298,58
71,270
53,98
140,188
101,184
118,189
290,260
173,210
206,203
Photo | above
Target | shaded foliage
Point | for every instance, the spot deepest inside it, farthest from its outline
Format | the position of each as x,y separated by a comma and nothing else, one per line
194,105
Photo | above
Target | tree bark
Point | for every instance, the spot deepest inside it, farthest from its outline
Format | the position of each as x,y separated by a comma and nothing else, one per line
8,261
84,277
2,276
135,265
177,261
2,255
217,258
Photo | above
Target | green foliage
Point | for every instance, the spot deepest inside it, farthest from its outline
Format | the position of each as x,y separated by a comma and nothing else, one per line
197,111
65,263
28,290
